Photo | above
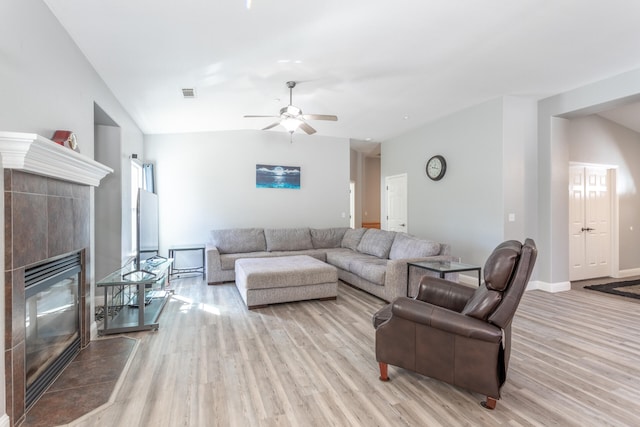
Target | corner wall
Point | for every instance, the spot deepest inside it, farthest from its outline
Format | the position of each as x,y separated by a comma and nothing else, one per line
553,158
596,140
491,172
47,84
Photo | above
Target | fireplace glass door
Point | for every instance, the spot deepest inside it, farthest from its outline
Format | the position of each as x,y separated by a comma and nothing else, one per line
52,325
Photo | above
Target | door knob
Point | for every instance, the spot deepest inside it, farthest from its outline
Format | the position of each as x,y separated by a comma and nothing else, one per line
587,229
402,225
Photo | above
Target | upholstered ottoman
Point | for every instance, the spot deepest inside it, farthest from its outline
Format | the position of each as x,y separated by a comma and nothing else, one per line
263,281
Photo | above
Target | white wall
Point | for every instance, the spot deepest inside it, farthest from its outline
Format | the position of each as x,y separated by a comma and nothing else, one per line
207,181
47,84
593,139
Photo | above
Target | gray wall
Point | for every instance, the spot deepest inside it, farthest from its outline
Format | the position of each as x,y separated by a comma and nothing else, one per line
553,159
491,172
593,139
207,181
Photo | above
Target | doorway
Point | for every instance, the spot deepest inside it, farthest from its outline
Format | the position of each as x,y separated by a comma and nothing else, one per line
591,221
352,204
396,193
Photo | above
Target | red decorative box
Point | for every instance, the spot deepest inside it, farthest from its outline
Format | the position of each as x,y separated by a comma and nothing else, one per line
61,136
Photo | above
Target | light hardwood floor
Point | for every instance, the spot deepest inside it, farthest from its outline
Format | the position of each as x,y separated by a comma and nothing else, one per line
575,362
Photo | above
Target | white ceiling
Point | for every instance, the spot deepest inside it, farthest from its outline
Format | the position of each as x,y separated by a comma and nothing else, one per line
382,66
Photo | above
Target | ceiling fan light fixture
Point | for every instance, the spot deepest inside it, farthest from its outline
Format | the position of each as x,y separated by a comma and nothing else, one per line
290,124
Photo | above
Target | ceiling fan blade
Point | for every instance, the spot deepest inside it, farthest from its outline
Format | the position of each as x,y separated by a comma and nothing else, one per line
308,129
272,125
252,117
320,117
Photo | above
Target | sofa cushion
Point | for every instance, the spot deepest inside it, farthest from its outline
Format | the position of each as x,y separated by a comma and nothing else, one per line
376,242
406,246
371,269
482,303
323,238
238,240
288,239
228,261
342,258
352,238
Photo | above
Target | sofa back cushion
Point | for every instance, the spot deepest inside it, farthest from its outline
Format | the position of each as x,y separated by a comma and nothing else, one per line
288,239
352,238
406,246
376,242
323,238
238,240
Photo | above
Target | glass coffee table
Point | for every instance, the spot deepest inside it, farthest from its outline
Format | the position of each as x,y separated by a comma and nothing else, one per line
442,268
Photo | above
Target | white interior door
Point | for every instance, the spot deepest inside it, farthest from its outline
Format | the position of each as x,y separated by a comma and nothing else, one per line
396,190
589,223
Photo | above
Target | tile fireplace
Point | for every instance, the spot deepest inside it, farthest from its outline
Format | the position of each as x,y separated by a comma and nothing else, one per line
47,216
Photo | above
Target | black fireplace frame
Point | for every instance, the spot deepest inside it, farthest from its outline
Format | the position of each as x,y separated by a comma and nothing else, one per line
39,277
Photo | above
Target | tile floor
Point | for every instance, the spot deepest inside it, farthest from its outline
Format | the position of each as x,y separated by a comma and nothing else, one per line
86,384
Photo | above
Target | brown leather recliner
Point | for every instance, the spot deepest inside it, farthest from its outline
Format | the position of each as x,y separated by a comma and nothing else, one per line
455,333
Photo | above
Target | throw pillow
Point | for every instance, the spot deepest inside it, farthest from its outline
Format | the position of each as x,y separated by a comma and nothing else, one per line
406,246
352,238
376,242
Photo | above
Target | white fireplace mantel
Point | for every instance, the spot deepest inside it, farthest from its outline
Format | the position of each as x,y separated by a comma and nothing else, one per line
33,153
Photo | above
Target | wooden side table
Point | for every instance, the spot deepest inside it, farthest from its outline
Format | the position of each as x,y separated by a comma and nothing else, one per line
442,268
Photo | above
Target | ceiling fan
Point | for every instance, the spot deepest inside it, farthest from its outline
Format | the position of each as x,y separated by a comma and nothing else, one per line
291,117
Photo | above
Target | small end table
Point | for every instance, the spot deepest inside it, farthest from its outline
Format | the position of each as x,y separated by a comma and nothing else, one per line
443,267
173,271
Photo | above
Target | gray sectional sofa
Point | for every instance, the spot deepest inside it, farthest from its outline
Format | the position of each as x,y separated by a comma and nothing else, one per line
370,259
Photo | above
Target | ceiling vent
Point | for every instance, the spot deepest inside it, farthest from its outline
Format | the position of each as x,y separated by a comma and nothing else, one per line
188,93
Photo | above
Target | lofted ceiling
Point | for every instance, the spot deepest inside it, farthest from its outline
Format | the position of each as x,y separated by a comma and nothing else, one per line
383,67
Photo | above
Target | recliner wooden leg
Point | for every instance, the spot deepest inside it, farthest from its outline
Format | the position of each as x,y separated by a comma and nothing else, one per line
383,371
490,403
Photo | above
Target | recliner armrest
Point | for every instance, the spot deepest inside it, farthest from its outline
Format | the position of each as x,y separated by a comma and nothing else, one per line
445,320
443,293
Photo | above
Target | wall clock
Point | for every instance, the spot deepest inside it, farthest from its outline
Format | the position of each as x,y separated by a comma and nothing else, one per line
436,167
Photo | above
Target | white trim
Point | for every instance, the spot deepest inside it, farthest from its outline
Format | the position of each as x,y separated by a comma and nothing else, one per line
5,421
628,273
33,153
468,280
549,287
531,286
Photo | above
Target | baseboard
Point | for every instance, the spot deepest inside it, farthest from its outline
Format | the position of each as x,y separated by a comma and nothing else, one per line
468,280
5,421
628,273
532,286
548,287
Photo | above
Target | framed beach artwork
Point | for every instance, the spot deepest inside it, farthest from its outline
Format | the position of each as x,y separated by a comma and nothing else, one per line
277,176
